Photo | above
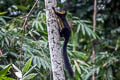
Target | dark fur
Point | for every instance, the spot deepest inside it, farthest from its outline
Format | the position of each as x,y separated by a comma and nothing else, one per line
65,32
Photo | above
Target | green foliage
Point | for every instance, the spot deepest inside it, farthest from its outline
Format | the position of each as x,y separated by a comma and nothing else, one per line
5,70
26,47
27,65
6,78
26,71
3,73
26,74
84,27
29,76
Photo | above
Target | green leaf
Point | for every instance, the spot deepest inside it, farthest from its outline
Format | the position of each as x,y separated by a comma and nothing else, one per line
27,65
82,62
21,7
5,70
93,35
3,13
43,63
36,33
83,28
3,20
6,78
30,70
78,54
78,29
7,41
38,62
11,27
88,30
87,76
41,27
109,74
2,43
30,76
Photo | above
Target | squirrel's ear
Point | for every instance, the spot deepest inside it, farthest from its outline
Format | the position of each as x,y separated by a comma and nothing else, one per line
57,11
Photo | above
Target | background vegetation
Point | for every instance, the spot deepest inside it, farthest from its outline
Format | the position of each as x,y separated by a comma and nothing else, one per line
24,52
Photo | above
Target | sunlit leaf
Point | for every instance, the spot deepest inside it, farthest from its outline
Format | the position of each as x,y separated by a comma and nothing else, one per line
27,65
5,70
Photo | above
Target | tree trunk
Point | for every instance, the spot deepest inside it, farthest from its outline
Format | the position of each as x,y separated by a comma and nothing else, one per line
54,42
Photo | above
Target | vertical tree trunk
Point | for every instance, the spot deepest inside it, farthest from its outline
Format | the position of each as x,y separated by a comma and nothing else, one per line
54,42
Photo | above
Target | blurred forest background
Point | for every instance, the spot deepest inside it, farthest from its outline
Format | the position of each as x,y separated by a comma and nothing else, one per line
24,52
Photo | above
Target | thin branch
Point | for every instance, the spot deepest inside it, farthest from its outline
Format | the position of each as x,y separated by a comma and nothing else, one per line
28,14
94,30
94,16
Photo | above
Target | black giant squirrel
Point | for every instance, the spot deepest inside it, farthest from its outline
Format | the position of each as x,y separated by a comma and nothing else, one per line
65,32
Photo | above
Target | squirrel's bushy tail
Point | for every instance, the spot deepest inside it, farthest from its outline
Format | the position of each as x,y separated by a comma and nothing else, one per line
66,60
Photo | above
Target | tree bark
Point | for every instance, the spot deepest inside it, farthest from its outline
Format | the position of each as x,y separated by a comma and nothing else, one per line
54,42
